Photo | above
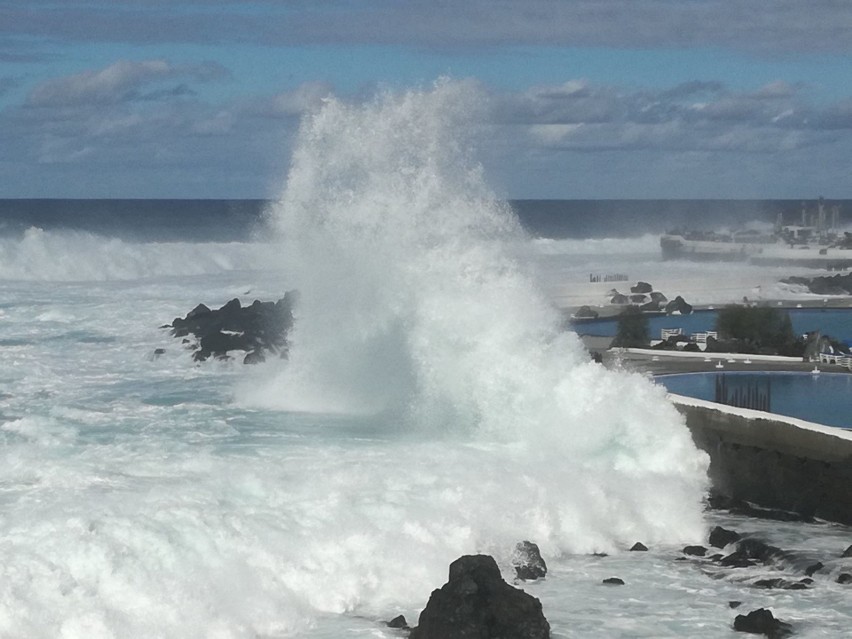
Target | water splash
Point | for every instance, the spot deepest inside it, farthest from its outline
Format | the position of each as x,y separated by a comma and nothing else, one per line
416,306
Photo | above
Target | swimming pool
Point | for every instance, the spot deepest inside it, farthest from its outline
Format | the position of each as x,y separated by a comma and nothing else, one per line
825,398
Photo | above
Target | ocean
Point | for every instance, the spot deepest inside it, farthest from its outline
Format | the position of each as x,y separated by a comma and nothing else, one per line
433,405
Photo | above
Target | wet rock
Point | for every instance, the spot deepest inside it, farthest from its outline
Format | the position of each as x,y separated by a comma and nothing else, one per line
618,298
759,550
658,297
476,602
737,559
779,583
814,568
641,287
847,552
528,562
639,546
613,581
844,578
397,622
762,622
735,604
695,551
721,537
257,329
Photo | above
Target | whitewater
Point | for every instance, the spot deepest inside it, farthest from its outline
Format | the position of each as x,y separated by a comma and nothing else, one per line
432,406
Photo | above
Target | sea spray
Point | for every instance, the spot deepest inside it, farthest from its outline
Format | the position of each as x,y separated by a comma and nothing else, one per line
415,308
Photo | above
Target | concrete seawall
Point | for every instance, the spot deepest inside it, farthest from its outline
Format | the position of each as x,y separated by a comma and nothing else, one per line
774,461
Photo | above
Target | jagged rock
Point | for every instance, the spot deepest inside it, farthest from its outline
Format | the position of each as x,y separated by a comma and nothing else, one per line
759,550
735,604
678,305
761,622
397,622
528,562
477,603
737,559
259,328
721,537
613,581
695,551
641,287
638,298
658,297
847,552
618,298
844,578
639,546
814,568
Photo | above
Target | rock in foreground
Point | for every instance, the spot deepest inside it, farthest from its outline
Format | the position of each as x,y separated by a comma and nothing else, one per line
477,603
762,622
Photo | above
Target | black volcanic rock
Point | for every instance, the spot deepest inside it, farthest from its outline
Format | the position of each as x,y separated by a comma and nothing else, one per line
762,622
613,581
695,551
476,603
528,562
847,552
639,546
257,329
641,287
397,622
721,537
678,305
844,578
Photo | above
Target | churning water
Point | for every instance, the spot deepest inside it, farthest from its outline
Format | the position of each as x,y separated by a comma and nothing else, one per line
431,407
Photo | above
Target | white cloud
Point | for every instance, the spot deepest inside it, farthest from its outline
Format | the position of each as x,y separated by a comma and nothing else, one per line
118,82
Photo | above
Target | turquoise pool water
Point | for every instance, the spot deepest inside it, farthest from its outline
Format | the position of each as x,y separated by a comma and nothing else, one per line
836,322
825,398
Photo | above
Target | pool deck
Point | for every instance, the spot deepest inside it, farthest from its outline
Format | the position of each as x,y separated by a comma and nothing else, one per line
678,362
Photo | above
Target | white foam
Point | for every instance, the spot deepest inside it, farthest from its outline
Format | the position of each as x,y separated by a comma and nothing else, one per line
414,304
67,256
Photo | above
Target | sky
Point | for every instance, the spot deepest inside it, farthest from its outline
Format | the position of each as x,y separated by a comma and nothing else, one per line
584,99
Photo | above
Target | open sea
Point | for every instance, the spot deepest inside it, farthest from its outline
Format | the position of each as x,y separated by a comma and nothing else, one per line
432,406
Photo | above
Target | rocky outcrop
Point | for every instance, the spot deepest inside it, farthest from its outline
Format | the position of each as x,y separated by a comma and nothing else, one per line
528,562
762,622
824,285
256,330
477,603
678,305
641,287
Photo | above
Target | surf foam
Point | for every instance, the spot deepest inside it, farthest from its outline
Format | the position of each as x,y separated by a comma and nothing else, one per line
416,308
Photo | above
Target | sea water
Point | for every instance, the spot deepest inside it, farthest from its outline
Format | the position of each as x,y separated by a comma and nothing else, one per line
432,406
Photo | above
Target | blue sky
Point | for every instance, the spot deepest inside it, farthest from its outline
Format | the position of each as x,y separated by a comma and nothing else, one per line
587,98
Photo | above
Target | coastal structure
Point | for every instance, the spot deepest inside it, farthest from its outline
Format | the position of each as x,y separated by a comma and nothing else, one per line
814,241
772,460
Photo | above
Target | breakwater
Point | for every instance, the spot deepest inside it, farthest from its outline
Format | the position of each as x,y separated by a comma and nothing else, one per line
775,462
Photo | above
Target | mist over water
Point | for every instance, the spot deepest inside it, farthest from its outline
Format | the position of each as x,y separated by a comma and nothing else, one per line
415,308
